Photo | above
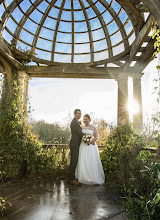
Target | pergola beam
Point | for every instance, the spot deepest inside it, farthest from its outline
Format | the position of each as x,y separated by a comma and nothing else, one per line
73,71
141,36
7,13
139,41
154,6
133,11
5,52
146,57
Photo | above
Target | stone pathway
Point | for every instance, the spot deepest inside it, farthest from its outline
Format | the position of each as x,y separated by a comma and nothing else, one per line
59,200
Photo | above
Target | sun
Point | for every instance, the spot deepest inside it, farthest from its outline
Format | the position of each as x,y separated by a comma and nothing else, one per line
133,107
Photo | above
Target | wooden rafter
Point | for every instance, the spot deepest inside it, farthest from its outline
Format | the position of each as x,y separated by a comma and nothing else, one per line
5,52
8,12
106,33
89,30
145,57
72,12
132,8
41,23
134,11
118,22
154,6
56,29
24,19
139,41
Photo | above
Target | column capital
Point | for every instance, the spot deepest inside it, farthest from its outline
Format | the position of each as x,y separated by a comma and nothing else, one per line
23,75
26,79
122,76
136,76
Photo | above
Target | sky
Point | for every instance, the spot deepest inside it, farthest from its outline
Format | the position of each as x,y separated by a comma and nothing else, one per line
54,100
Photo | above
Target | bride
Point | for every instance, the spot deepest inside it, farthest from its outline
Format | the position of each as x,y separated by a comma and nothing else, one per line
89,168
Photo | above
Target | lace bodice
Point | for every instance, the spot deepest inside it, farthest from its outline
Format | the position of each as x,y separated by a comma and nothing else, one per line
87,131
90,130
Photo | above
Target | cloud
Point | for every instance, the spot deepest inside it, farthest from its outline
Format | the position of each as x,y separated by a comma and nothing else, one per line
101,104
53,99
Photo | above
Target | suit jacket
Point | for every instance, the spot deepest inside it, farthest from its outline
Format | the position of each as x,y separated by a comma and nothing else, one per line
76,133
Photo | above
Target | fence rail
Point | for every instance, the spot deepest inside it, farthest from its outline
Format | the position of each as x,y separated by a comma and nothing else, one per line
100,147
62,152
66,146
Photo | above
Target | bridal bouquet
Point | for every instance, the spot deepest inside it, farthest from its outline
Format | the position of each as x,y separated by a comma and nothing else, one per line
86,138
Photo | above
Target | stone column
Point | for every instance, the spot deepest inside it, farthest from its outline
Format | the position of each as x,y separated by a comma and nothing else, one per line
122,114
26,80
137,97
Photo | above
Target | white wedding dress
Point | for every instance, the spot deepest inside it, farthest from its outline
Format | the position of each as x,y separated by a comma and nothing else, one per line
89,169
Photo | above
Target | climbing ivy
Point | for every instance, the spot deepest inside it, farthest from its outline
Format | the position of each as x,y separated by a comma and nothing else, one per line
19,147
156,115
156,36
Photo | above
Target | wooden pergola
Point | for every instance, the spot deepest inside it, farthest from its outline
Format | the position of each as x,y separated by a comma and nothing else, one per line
130,60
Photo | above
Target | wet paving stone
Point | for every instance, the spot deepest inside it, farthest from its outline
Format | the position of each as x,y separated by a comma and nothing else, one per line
59,200
110,196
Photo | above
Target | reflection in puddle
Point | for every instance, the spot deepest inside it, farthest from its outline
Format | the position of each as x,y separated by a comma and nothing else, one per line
50,203
58,200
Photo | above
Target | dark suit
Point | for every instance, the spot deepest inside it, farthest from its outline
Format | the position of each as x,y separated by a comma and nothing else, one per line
76,136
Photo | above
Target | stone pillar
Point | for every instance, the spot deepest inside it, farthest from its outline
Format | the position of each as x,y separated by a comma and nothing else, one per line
137,97
122,114
26,80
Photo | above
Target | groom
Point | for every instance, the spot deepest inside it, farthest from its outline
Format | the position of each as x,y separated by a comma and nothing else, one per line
76,136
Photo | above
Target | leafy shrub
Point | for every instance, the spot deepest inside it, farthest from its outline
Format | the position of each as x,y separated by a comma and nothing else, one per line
3,205
122,146
18,145
143,203
51,133
137,169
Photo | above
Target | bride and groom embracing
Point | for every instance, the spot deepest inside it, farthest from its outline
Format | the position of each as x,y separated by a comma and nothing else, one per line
85,163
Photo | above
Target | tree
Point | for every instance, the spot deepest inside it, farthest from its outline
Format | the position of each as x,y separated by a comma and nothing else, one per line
103,130
51,133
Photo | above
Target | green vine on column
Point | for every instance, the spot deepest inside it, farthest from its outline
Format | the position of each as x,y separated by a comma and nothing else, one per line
19,147
156,36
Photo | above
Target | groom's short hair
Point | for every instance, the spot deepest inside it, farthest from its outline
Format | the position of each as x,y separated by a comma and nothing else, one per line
76,110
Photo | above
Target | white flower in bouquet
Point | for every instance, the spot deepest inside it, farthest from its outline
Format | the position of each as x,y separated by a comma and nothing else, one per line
87,138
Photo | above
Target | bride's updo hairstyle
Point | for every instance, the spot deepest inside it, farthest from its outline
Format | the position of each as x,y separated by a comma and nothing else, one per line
88,116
